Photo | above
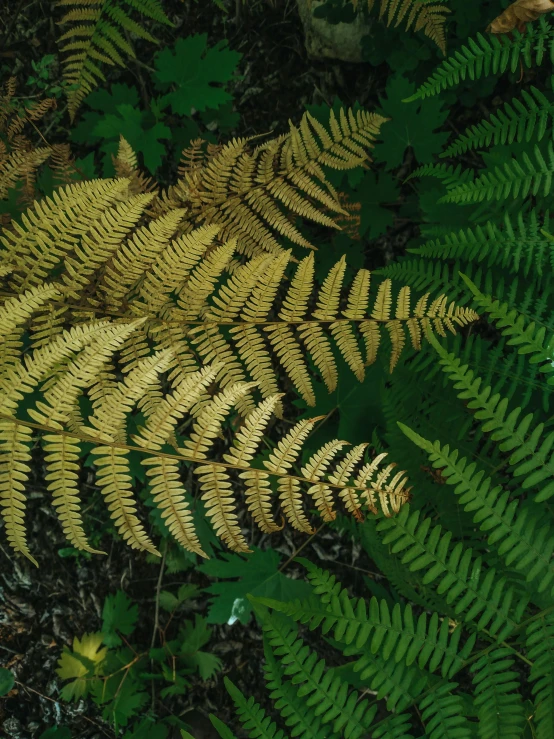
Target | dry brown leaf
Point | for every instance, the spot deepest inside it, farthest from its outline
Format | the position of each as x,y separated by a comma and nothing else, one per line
517,14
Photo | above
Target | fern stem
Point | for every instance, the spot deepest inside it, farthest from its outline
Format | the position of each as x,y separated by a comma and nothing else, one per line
157,453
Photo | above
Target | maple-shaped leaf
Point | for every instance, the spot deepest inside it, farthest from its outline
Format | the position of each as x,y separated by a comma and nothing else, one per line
256,574
125,704
411,125
132,124
118,615
376,189
206,663
81,665
194,71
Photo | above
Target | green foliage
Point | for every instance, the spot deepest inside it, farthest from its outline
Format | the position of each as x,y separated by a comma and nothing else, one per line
411,126
7,681
118,615
258,575
492,54
195,71
192,77
120,677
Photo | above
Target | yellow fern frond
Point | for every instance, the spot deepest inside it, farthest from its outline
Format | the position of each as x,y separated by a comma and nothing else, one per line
137,256
20,164
422,15
249,193
53,227
15,460
62,466
97,34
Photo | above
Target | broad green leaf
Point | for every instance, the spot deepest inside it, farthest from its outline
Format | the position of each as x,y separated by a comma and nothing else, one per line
118,615
411,125
7,681
194,71
240,575
81,665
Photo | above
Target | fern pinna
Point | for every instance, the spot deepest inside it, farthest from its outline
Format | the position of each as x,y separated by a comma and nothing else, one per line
124,305
429,16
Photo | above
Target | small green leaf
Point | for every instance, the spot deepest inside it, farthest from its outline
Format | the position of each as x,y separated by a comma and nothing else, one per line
7,681
223,731
118,615
411,125
81,665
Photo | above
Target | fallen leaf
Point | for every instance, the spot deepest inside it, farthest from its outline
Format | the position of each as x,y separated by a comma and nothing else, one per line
517,14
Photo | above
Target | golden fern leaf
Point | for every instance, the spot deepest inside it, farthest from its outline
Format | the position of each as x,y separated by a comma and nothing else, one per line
107,432
314,469
19,164
126,165
279,462
249,193
164,478
172,267
295,325
422,15
114,478
103,239
15,460
96,34
63,165
136,257
53,226
341,476
60,397
62,455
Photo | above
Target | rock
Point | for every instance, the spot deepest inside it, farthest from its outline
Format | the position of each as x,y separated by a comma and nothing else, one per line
326,41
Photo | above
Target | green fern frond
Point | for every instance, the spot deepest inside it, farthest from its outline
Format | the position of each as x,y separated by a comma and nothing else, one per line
395,634
493,54
477,594
529,338
396,682
518,121
525,439
289,701
539,641
518,243
497,696
526,543
449,174
394,727
321,688
442,713
530,176
252,716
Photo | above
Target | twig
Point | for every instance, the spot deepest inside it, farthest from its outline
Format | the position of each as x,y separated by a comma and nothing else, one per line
156,622
301,547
